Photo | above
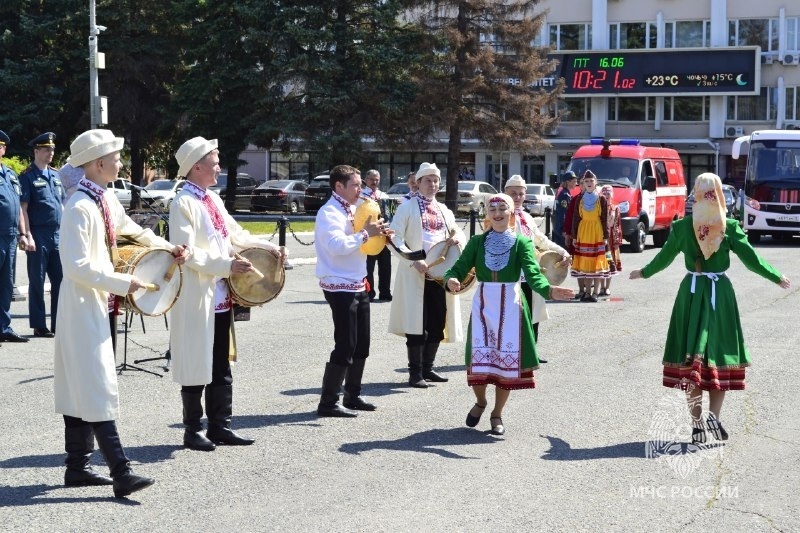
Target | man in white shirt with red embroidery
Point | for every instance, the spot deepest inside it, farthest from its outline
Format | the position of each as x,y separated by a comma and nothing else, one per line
341,269
372,180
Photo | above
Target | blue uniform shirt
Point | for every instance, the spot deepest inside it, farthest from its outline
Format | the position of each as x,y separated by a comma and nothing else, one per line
560,210
9,202
43,192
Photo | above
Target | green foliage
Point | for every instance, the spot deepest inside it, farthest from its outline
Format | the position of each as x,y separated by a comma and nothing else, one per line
16,163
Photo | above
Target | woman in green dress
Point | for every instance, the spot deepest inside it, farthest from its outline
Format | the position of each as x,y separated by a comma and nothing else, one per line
705,346
501,349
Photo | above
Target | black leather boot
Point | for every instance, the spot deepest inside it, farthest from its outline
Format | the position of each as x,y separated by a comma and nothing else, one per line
352,387
219,408
193,437
415,378
125,481
329,399
428,357
79,445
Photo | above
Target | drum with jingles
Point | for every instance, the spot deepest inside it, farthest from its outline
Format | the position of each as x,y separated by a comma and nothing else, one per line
553,266
156,268
260,285
441,257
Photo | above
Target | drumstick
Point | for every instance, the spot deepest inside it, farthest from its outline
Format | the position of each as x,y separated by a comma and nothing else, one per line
170,271
256,271
151,287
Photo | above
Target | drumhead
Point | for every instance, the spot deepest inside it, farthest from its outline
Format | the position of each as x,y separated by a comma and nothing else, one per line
549,264
438,268
150,265
248,289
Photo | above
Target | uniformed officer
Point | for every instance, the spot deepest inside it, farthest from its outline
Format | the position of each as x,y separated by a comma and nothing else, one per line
42,195
568,181
12,232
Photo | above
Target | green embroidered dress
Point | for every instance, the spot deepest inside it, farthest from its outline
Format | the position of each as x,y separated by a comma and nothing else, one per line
704,342
506,355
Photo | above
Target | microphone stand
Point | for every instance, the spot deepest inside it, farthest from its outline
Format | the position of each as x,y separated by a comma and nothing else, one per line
161,216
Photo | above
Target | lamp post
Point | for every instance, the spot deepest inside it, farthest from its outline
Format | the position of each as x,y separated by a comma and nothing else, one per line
97,104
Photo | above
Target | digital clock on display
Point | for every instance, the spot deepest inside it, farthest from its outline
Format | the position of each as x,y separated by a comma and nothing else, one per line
692,71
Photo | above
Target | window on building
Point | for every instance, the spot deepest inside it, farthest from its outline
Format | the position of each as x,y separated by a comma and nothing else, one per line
793,33
686,108
574,110
754,32
687,34
762,106
571,36
624,35
632,109
792,103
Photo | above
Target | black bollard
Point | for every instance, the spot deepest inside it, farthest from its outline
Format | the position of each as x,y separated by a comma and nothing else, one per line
473,214
283,223
547,213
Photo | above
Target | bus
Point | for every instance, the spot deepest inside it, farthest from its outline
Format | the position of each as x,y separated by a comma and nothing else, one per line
770,200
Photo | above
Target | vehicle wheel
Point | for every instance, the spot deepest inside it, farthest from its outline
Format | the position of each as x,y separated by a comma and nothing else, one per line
294,208
638,239
753,237
660,237
481,211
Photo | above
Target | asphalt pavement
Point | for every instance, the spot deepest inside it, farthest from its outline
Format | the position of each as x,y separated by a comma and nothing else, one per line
599,445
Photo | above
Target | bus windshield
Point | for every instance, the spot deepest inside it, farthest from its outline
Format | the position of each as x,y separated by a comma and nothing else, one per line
616,171
774,163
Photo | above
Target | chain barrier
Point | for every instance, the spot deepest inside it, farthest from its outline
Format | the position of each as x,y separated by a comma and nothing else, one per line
289,227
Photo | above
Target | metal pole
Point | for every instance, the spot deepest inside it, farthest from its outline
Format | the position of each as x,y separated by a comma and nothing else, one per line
472,215
547,215
94,89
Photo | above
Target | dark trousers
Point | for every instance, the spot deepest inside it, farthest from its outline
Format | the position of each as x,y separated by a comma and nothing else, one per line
384,260
220,365
45,260
350,311
8,256
434,316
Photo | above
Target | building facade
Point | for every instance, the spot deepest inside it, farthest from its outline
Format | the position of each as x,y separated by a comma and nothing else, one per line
701,126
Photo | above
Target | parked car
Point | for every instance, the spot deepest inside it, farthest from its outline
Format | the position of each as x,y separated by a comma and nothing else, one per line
278,195
317,193
538,197
245,185
122,190
731,201
398,190
160,193
471,195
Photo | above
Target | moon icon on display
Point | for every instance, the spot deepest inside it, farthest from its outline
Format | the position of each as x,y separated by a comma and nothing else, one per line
739,80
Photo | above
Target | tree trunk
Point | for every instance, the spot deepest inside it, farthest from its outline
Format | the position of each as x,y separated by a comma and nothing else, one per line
453,157
137,170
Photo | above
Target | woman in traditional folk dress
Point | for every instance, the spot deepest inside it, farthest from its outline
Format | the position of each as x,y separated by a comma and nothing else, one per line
614,224
501,349
705,346
590,238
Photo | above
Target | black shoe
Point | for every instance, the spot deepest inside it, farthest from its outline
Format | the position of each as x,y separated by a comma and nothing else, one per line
87,477
43,333
385,298
431,375
473,420
698,436
542,360
12,336
335,411
715,427
358,404
195,440
129,482
226,436
497,425
418,383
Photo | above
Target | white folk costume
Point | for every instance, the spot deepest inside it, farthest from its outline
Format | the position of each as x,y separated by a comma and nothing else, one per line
419,224
85,377
205,290
526,226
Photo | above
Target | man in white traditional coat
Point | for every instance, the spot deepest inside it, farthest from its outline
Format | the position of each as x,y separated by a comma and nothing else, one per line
85,378
421,310
201,320
341,269
516,188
